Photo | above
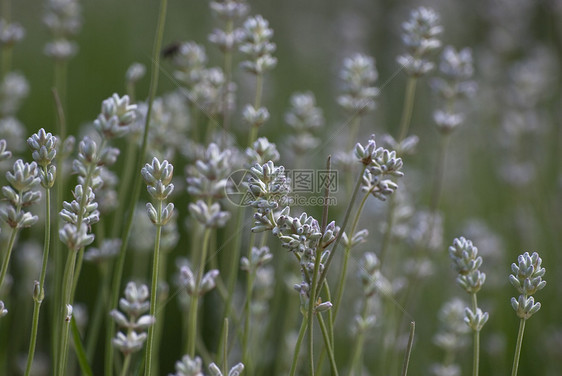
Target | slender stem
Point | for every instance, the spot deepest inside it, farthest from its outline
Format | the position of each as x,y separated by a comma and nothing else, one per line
154,290
353,130
408,107
68,277
126,364
439,173
39,299
476,355
409,348
518,347
228,77
97,317
118,271
247,316
311,306
347,252
257,103
359,342
329,345
342,228
225,346
300,337
57,246
8,254
193,305
124,187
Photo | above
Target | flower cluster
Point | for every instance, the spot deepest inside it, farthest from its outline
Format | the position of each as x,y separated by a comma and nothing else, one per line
208,177
209,215
229,11
158,177
10,33
62,18
262,151
527,279
456,69
268,187
359,75
79,215
116,117
132,319
381,164
194,367
13,90
20,194
188,282
189,59
466,262
304,117
44,147
420,38
257,46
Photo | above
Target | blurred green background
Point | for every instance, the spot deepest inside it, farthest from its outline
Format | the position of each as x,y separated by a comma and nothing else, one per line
312,38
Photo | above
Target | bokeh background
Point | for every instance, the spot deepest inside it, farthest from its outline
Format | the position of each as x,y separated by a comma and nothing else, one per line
503,179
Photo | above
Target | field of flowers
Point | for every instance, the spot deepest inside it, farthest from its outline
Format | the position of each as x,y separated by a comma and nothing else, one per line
238,187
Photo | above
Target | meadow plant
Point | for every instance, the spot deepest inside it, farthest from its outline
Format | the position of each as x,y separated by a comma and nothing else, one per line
271,240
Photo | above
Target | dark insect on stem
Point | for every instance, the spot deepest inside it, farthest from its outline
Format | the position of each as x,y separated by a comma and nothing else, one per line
171,50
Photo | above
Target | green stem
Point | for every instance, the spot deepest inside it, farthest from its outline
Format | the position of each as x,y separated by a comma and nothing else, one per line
359,342
39,299
68,277
124,187
8,254
247,316
253,135
154,290
193,305
97,317
353,130
118,271
409,348
408,107
300,337
57,246
311,306
347,252
342,228
328,344
476,355
228,77
518,347
126,364
439,174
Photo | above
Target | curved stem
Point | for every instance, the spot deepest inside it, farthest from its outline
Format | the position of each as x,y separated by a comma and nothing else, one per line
518,347
409,348
342,228
8,254
154,291
38,299
408,107
193,305
439,174
347,252
300,337
328,344
353,131
126,365
476,355
359,342
247,315
118,271
257,103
